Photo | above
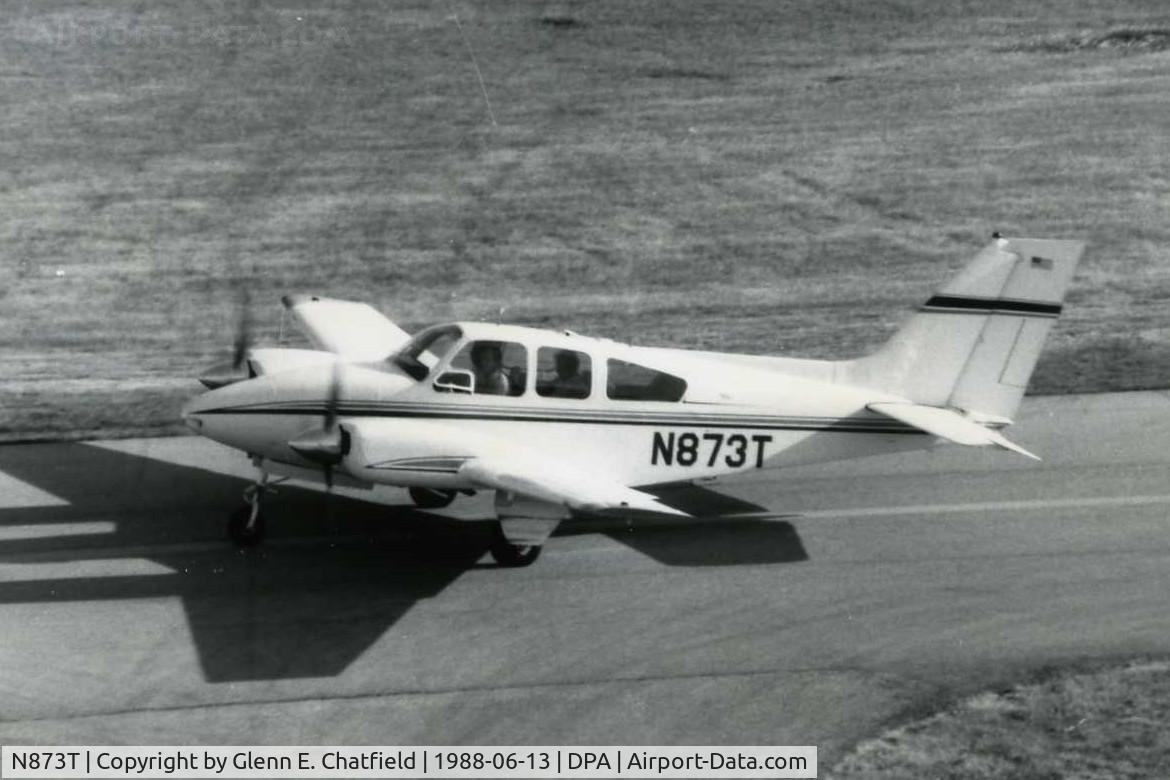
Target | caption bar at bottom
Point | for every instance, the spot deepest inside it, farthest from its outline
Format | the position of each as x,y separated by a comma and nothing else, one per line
656,761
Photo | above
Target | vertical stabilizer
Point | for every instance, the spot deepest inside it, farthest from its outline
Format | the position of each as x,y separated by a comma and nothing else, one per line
973,345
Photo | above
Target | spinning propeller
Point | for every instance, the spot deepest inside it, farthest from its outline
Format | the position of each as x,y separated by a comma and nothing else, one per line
243,338
222,374
329,445
326,445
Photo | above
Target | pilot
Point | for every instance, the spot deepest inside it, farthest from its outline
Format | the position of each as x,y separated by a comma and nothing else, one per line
488,361
569,381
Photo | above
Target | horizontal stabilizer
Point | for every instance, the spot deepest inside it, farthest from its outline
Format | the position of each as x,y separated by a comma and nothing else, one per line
947,424
355,331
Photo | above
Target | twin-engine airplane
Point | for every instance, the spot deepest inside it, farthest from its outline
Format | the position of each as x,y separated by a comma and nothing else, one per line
557,424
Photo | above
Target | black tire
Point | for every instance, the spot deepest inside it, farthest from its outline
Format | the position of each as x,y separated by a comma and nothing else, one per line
238,527
513,555
429,498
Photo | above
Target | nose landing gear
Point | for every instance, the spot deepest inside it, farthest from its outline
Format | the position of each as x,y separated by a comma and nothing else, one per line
246,525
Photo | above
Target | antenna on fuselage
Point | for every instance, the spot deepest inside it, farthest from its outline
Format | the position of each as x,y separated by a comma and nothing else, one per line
474,63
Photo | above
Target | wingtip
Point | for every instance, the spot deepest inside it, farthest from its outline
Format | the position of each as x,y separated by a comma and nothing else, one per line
1001,441
669,510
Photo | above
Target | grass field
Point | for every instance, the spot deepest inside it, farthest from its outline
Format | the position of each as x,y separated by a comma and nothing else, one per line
759,176
1102,724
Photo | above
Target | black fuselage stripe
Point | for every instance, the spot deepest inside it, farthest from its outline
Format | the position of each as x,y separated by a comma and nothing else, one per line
991,306
841,426
381,408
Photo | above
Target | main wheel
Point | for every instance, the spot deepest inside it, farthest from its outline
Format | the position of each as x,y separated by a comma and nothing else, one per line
238,528
507,554
429,498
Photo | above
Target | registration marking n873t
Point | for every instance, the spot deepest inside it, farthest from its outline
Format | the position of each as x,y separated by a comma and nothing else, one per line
708,449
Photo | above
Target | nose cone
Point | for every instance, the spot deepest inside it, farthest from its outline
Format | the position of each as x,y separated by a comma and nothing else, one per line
191,409
225,415
194,412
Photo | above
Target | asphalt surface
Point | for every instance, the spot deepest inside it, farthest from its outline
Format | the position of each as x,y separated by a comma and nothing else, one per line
858,594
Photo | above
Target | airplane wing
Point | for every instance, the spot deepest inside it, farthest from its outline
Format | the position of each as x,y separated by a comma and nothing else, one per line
355,331
377,445
947,424
577,490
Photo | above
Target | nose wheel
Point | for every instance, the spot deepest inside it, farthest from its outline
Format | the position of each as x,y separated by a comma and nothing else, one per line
246,525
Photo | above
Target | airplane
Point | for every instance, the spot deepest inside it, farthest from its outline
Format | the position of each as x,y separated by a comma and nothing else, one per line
561,425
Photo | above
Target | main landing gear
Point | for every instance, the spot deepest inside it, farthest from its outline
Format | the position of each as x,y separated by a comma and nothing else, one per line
510,554
246,525
503,551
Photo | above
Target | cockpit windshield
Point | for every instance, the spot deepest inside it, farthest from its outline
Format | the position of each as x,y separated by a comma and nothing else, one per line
423,352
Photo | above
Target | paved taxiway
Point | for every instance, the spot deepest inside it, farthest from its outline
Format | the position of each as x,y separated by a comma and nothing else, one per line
126,617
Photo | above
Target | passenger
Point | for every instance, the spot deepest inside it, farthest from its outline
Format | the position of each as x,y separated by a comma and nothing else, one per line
488,361
569,381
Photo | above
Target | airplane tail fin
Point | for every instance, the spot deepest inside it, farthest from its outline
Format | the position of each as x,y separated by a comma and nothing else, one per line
973,345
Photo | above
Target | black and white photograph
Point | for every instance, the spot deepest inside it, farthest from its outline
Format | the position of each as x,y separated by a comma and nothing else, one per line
582,388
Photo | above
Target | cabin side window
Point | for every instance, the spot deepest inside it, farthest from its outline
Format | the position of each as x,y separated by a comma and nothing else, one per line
493,367
563,373
631,382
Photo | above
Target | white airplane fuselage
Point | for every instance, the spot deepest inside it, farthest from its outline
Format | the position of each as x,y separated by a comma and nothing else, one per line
738,414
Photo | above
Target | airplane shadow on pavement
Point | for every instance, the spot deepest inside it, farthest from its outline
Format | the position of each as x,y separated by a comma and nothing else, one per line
335,574
727,531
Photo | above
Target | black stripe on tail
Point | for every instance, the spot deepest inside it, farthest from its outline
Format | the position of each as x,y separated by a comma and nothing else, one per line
956,304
